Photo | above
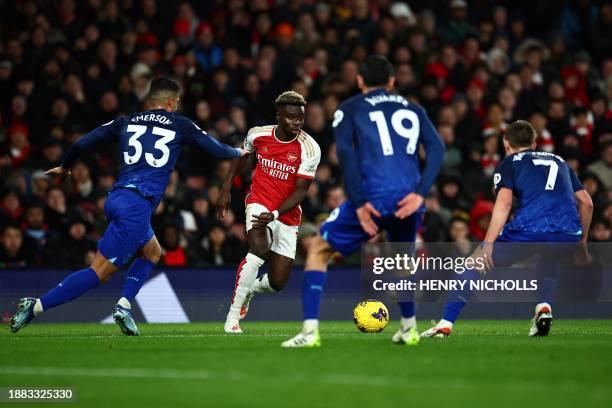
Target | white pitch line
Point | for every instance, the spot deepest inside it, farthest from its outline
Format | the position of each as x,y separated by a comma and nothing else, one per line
172,374
166,336
340,379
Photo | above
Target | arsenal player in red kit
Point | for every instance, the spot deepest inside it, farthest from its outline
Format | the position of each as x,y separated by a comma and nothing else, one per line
287,159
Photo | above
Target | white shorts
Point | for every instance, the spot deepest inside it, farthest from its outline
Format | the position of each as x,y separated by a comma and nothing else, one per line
284,237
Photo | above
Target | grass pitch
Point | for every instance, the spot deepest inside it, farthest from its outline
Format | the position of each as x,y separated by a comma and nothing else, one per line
485,363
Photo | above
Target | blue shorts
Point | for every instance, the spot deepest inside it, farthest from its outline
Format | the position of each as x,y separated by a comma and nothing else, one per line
344,232
129,228
506,254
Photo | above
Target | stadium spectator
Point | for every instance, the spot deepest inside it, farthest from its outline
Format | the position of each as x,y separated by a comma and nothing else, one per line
217,248
600,230
602,168
13,252
173,247
459,235
56,209
73,236
34,228
10,206
480,216
68,66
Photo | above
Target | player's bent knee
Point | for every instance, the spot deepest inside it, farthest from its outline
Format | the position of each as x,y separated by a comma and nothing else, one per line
259,244
152,251
154,255
277,284
318,255
103,268
259,248
104,273
260,251
154,259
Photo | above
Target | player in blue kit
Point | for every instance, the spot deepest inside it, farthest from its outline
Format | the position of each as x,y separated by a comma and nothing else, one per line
149,144
377,138
553,206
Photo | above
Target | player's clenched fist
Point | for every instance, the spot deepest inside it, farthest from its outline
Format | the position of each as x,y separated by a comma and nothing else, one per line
261,220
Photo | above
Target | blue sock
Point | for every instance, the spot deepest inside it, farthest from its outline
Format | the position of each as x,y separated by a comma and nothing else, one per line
452,310
547,279
407,309
313,283
136,277
546,290
459,298
70,288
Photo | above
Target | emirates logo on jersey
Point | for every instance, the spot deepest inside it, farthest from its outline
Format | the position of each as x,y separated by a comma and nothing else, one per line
276,169
292,156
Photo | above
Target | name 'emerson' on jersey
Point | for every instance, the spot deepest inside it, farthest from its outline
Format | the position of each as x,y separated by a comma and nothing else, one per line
149,144
385,131
544,186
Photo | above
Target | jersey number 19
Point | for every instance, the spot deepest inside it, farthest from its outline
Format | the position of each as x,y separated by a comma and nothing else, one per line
397,123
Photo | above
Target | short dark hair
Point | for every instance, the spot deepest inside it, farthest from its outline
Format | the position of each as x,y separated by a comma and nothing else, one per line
290,98
161,85
520,134
376,70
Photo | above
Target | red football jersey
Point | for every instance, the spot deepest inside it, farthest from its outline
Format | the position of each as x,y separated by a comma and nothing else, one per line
278,165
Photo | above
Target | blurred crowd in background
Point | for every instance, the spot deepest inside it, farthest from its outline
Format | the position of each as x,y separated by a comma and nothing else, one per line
67,66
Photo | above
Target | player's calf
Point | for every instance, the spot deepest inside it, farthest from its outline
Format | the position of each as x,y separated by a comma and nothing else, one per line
73,286
245,276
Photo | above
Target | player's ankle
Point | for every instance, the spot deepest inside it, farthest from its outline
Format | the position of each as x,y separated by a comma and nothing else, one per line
407,323
443,323
310,325
123,302
38,308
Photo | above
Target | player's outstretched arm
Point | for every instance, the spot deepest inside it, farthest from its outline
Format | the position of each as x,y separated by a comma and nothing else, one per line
105,133
585,210
434,150
225,198
344,135
501,212
216,148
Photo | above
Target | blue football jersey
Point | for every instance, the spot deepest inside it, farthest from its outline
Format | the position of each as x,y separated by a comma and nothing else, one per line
544,186
377,140
149,144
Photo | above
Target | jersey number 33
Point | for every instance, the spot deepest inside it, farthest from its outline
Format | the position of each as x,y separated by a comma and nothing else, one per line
153,159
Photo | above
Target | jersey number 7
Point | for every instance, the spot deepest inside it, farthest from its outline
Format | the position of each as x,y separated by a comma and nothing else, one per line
552,172
397,123
161,144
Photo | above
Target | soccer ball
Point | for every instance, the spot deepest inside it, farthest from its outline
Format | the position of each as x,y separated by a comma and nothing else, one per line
371,316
